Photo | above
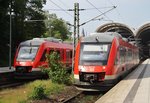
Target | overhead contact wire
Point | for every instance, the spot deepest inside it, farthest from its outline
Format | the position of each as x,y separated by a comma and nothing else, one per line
97,9
60,8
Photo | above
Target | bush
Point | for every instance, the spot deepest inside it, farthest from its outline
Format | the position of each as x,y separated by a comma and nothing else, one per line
38,92
56,69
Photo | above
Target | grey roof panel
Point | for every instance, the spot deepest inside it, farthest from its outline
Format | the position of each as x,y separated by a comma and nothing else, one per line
32,42
39,41
101,37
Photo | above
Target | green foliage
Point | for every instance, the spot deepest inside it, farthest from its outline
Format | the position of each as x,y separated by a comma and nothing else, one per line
50,87
21,30
23,101
57,27
38,92
56,71
4,32
54,88
22,94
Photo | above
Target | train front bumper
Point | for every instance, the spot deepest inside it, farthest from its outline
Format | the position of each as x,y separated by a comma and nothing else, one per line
35,73
95,86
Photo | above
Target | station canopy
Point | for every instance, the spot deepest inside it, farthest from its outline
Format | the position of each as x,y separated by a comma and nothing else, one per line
122,29
143,34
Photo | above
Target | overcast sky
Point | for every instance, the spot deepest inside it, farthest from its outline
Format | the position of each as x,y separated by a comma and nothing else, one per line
133,13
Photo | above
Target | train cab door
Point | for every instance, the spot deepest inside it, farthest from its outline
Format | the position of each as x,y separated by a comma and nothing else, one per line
60,52
69,58
43,61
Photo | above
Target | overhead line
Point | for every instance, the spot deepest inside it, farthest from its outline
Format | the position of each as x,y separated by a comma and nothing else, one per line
103,13
63,3
97,8
60,8
81,9
116,9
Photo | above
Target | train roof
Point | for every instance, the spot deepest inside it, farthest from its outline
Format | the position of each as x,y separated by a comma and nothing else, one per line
38,41
101,37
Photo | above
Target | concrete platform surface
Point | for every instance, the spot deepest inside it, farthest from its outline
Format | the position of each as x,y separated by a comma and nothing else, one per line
6,69
135,88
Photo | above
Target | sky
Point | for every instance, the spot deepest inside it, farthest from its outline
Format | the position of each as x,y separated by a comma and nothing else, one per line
133,13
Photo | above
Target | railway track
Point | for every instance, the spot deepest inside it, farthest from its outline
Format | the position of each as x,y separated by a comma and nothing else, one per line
86,97
12,84
72,97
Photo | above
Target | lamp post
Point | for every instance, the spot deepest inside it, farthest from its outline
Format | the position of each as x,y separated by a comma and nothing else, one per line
10,35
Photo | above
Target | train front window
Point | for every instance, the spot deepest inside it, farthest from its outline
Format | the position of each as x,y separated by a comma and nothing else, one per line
27,53
94,54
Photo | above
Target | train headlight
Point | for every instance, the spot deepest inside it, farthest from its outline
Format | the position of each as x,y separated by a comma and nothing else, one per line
104,67
82,69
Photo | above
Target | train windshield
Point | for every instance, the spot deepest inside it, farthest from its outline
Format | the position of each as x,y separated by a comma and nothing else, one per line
94,54
27,53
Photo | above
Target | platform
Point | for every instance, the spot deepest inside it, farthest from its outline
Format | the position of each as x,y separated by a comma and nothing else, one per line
6,74
6,69
135,88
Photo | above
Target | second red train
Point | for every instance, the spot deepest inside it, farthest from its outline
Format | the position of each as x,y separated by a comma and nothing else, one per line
30,55
101,59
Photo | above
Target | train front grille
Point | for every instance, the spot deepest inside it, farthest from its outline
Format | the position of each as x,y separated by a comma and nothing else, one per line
94,77
23,69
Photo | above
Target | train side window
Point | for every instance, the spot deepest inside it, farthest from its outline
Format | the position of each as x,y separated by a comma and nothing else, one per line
43,58
117,59
122,54
130,55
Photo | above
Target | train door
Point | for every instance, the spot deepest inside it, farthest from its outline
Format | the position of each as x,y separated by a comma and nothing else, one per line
61,54
117,62
65,56
69,58
43,59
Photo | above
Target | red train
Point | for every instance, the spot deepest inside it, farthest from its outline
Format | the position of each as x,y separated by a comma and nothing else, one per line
101,59
31,54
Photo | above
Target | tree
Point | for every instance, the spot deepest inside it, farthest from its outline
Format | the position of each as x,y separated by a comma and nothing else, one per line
56,70
30,10
4,31
21,30
57,27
